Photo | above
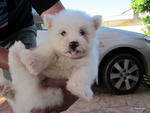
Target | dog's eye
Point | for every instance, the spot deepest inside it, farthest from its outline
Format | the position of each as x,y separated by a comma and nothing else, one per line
63,33
82,32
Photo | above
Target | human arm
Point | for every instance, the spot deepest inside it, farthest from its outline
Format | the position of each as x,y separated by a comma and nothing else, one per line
56,8
47,6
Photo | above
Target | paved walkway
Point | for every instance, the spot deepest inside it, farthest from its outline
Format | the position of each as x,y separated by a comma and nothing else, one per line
107,103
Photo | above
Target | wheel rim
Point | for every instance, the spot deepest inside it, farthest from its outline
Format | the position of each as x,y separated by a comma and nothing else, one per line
124,74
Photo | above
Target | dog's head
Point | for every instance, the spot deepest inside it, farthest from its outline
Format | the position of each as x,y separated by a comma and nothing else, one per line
72,32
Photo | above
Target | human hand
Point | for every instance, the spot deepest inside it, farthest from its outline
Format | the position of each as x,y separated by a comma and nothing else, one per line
53,83
4,58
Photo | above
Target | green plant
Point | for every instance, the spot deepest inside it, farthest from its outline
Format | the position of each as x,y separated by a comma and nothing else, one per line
143,6
146,30
146,20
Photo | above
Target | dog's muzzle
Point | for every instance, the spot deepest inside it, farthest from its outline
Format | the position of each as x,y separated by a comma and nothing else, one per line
73,45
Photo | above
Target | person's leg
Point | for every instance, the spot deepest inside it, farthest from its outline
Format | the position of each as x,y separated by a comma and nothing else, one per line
27,36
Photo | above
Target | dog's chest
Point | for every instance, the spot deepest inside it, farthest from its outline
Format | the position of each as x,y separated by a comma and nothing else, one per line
60,67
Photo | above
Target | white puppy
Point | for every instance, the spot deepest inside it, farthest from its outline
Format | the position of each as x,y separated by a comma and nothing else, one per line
70,51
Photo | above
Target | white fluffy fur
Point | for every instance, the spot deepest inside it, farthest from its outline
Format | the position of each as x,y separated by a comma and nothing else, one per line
54,59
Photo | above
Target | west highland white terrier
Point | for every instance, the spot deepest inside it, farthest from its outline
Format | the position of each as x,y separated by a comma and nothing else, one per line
70,51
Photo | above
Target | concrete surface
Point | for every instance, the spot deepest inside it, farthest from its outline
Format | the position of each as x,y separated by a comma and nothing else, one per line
138,102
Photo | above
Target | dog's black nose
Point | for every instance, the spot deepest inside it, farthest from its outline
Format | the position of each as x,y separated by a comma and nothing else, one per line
73,45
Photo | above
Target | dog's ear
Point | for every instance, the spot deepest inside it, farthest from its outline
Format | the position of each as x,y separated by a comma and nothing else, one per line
97,21
47,19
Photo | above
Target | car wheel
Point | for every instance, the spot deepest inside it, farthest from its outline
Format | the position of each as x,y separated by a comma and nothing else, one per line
122,74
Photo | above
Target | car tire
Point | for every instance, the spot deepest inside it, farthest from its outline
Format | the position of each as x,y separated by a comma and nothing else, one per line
122,74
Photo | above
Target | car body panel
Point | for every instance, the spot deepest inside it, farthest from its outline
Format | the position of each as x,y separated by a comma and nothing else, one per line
146,53
111,39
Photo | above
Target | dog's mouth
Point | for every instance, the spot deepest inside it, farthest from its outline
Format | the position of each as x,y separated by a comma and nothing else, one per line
75,52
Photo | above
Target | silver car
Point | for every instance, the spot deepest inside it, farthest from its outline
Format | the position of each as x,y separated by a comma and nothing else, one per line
124,60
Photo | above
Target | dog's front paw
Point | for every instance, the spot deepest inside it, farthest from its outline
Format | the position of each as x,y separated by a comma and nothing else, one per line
80,90
31,61
16,49
87,94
